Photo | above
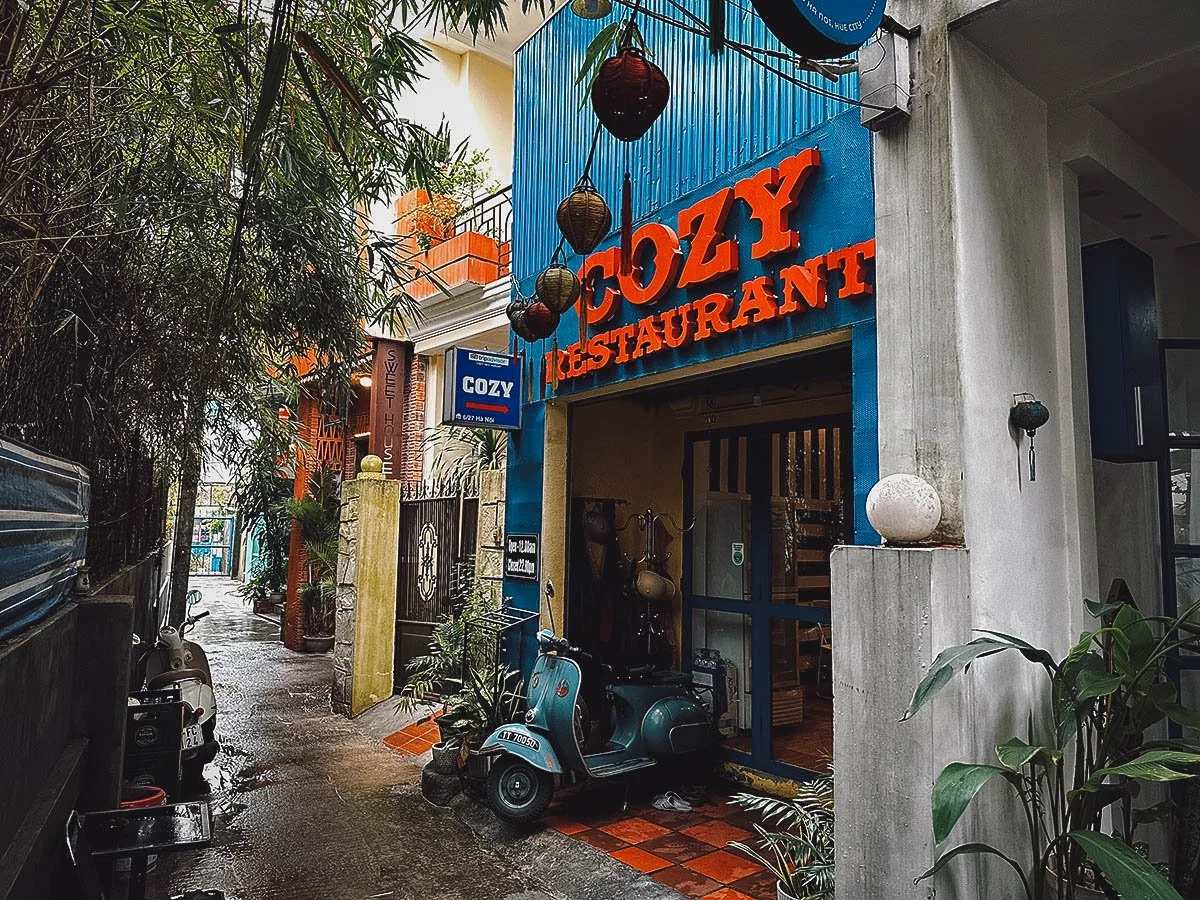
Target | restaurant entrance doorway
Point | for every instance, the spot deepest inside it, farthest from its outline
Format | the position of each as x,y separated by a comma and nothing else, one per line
769,503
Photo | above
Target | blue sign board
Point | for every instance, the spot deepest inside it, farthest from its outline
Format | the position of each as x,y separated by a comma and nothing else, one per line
822,29
483,390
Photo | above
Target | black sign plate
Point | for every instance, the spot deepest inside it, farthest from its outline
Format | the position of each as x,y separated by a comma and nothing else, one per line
521,556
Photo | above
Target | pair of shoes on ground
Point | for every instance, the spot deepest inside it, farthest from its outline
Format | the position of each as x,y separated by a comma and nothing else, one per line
671,802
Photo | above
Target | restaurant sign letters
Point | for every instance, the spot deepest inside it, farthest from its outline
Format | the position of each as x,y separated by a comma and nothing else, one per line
770,196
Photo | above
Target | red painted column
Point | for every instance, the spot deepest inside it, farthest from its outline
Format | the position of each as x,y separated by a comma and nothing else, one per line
293,610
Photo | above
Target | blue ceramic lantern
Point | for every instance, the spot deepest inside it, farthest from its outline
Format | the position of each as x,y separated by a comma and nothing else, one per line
1028,414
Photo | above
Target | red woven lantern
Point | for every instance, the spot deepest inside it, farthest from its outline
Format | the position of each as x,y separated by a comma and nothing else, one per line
541,320
629,93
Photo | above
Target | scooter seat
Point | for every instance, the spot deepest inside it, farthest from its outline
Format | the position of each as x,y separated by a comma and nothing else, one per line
649,675
170,676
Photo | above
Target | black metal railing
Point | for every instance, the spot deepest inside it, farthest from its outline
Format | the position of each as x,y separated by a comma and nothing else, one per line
491,216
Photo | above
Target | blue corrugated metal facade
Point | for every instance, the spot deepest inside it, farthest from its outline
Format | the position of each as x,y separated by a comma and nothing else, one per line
725,111
727,119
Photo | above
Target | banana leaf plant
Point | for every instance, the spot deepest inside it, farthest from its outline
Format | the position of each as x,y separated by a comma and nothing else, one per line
1112,686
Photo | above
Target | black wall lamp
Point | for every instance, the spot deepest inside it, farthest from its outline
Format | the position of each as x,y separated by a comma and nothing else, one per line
1028,414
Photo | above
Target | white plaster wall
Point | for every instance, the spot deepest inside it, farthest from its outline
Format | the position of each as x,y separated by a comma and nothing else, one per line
1008,343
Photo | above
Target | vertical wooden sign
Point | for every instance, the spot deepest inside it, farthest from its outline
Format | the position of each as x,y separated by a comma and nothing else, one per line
389,388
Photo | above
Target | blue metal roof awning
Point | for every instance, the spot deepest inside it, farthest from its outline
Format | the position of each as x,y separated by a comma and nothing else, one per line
44,504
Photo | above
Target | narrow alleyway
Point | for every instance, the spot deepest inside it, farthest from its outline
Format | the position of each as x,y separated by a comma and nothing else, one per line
308,806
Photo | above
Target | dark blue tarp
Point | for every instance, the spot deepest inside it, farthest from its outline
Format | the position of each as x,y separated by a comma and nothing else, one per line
43,532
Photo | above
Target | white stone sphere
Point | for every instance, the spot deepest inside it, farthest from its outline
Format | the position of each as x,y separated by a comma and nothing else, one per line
904,509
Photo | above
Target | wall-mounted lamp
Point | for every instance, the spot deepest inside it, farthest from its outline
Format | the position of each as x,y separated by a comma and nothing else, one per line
1028,414
364,381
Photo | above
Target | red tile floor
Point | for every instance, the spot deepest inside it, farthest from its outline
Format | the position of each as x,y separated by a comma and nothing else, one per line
415,739
685,851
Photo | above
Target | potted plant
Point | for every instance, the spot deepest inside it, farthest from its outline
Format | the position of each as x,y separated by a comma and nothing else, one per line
1101,698
318,514
795,839
263,488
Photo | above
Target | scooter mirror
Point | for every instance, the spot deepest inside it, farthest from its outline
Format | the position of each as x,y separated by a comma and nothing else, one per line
549,588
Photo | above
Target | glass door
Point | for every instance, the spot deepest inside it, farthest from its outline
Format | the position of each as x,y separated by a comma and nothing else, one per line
769,503
1179,480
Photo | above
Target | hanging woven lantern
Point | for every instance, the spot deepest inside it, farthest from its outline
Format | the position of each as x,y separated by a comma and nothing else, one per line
558,287
591,9
583,217
541,320
516,318
629,93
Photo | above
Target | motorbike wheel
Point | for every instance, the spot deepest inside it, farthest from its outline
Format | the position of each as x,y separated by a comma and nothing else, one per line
517,791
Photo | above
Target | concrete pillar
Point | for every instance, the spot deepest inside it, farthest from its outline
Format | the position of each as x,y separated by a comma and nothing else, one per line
489,544
365,635
555,502
894,609
920,397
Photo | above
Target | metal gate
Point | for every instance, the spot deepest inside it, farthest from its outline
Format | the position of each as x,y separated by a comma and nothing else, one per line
437,546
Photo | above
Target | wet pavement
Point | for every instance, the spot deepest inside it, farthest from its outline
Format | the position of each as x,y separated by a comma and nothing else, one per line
307,805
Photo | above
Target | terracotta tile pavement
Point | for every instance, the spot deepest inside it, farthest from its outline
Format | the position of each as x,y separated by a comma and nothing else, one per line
415,739
685,851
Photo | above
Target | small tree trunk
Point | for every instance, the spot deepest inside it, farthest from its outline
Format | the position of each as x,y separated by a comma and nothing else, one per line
185,515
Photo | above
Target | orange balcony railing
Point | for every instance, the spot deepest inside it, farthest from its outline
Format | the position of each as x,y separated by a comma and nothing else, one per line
459,248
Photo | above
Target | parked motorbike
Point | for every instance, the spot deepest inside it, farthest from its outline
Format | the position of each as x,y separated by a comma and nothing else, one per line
654,717
175,662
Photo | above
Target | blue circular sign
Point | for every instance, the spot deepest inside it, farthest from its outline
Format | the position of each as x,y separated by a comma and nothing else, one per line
822,29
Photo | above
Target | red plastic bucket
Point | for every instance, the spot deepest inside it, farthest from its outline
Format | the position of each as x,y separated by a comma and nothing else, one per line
134,796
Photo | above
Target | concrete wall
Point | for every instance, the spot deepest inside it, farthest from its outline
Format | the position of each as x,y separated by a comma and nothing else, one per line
63,689
489,543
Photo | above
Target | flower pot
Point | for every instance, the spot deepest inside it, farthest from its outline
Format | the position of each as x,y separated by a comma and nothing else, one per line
781,893
445,758
478,764
318,643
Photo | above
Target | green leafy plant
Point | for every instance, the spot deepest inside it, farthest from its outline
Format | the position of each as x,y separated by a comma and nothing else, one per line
1111,687
461,453
491,697
439,671
795,841
318,515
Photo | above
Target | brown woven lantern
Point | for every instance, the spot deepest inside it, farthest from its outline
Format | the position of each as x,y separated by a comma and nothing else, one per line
583,217
541,320
629,94
558,287
516,317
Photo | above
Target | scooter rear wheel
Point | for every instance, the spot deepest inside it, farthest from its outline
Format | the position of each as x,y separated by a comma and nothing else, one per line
517,791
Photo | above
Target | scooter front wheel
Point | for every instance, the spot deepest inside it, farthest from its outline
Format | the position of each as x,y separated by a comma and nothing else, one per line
517,791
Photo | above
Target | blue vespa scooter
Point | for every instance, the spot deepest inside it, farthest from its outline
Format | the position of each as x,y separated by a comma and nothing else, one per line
654,716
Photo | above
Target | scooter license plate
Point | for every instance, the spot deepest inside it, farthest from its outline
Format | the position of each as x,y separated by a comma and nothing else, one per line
193,737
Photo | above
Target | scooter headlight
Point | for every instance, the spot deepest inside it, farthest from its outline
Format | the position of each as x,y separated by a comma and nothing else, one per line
531,715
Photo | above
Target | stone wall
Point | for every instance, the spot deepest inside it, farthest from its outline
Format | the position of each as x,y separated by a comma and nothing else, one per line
489,547
368,563
346,600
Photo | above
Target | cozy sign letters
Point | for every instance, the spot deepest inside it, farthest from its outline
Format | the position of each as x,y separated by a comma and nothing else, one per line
770,196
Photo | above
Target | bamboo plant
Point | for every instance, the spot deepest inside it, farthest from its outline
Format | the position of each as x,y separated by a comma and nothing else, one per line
1101,699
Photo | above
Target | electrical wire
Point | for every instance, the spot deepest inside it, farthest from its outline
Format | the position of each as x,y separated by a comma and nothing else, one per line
749,51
